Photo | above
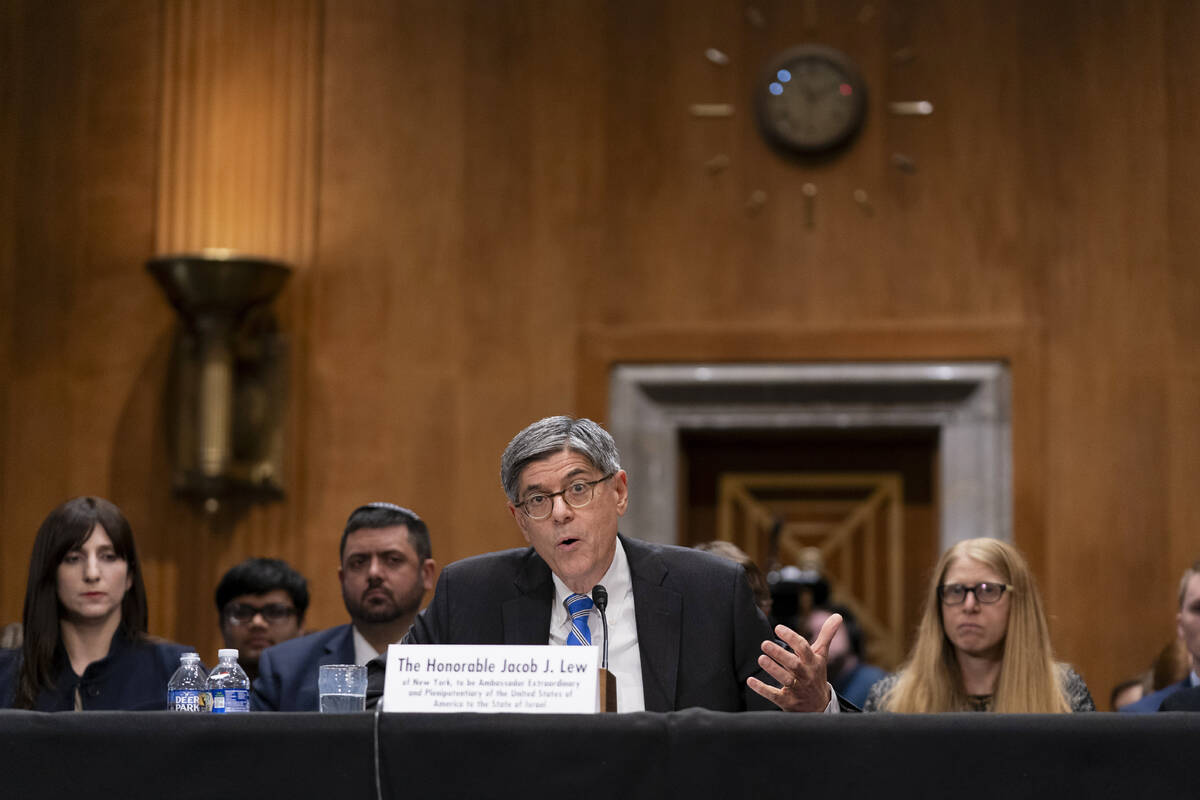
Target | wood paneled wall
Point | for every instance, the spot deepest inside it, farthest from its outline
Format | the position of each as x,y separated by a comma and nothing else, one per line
488,203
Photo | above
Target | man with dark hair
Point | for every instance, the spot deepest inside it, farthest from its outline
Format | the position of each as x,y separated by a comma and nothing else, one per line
684,629
1187,626
261,602
386,566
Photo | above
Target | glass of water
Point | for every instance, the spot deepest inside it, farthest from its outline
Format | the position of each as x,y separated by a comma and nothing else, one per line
343,687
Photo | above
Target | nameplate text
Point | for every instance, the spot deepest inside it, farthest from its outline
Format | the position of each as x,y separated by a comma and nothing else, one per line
527,679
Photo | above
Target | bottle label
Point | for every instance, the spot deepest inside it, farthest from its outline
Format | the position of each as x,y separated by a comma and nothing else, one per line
230,701
185,700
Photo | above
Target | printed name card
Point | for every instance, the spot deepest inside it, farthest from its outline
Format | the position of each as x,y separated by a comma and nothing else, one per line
526,679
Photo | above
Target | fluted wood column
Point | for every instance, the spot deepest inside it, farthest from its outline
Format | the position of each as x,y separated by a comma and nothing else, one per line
240,127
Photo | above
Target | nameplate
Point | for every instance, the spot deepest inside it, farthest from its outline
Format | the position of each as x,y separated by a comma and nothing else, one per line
524,679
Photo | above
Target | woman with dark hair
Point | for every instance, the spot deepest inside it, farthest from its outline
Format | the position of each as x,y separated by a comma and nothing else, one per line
85,620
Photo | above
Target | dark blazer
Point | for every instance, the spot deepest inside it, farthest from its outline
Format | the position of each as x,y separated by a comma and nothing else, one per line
287,672
1182,700
132,677
1151,702
699,631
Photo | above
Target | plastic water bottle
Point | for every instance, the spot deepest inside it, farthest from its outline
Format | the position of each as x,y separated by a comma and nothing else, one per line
185,690
227,687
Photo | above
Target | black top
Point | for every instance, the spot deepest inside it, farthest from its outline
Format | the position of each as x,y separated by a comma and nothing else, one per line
132,677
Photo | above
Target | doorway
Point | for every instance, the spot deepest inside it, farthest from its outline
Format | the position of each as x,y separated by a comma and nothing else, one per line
829,439
787,496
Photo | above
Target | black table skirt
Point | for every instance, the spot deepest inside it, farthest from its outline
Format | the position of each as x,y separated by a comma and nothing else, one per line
691,754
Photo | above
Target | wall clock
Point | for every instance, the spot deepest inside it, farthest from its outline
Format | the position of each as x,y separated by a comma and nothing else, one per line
810,101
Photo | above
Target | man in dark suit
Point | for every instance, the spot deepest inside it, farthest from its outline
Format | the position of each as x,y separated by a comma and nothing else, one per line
287,678
1187,624
386,569
683,626
1182,700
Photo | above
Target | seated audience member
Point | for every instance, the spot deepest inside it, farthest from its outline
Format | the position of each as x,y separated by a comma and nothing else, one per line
852,677
1182,700
1127,691
1171,666
386,568
683,624
85,645
1187,625
983,643
754,575
261,602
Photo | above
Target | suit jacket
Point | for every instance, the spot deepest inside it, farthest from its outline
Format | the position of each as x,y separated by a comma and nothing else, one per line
1152,702
132,677
699,631
287,672
1182,700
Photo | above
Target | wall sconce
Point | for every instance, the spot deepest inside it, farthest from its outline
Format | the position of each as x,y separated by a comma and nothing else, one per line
228,381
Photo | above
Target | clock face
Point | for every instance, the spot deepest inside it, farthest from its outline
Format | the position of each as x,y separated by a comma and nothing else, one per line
811,101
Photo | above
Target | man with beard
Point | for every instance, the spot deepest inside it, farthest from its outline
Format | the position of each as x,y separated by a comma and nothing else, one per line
386,568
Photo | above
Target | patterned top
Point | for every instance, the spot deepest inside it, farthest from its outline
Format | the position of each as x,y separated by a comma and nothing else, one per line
1078,696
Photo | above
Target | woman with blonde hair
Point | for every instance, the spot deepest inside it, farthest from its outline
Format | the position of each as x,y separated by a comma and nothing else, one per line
983,643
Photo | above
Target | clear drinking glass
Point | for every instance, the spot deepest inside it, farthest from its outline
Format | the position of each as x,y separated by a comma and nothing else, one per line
342,687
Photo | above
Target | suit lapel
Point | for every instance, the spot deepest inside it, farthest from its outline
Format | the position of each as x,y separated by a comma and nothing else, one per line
659,613
340,649
527,614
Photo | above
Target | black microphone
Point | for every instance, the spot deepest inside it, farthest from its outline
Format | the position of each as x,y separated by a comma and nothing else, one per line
600,598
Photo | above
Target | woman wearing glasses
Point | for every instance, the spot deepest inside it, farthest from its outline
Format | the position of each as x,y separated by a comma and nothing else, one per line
983,643
85,618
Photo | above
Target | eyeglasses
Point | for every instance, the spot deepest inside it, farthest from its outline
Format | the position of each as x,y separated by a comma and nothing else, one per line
577,495
242,614
955,594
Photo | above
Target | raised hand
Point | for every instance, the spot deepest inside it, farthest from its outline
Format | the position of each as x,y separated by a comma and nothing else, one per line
803,685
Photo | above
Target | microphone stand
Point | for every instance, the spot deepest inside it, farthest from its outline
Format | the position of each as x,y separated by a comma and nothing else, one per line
608,681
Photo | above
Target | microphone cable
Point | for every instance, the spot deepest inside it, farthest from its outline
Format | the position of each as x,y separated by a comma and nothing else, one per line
375,741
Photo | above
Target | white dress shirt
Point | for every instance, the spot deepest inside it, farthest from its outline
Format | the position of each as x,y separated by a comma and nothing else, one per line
624,657
363,651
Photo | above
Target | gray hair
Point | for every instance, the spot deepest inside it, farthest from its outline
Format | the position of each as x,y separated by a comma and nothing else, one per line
553,435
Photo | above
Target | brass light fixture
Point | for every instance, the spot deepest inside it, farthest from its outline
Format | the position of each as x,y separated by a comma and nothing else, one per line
228,380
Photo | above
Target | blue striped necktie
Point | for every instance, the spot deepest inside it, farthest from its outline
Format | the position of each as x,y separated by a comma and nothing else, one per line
578,606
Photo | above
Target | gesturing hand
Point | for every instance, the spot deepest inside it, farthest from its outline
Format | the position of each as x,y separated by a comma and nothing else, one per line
803,685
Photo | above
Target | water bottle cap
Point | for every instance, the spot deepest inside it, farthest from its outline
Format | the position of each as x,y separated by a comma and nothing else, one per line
192,656
227,652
